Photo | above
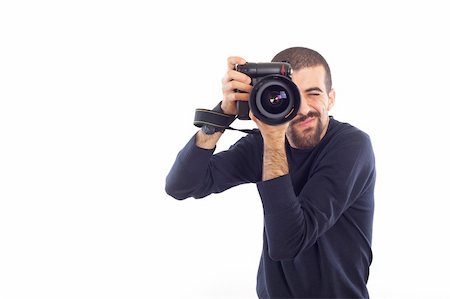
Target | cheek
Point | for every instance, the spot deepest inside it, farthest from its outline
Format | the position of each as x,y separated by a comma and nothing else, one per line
322,105
327,105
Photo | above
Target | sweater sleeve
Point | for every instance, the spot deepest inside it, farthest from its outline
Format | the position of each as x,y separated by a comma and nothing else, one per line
199,172
294,223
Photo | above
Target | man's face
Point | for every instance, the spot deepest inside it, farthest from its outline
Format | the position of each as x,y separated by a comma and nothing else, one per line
310,125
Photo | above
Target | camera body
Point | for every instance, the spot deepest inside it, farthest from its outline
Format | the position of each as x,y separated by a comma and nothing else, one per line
274,99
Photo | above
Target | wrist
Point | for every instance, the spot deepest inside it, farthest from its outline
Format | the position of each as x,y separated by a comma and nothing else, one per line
207,141
274,142
212,121
227,109
275,162
274,165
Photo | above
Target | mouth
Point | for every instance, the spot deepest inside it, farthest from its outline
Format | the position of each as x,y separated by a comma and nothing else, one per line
306,122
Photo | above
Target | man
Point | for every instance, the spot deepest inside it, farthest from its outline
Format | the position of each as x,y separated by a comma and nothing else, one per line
315,176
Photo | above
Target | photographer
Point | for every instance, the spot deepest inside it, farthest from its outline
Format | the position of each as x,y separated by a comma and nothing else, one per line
315,176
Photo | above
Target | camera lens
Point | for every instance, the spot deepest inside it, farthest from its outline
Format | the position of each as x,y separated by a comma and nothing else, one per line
275,99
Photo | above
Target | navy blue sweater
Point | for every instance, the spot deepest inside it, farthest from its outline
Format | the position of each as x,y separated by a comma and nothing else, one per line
317,219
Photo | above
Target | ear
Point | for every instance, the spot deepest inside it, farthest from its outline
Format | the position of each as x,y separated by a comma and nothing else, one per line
331,97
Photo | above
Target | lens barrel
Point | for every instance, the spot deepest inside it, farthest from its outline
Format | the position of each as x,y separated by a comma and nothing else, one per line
275,99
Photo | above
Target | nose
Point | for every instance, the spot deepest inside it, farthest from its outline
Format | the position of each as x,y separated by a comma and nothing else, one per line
304,107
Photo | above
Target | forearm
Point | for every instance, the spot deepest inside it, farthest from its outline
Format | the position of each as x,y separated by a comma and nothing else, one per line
188,171
196,172
275,161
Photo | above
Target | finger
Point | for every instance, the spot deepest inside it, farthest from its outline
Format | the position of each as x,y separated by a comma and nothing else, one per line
255,119
252,116
238,76
236,96
233,60
233,86
236,80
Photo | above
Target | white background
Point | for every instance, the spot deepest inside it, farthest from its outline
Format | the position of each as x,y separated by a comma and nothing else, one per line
97,97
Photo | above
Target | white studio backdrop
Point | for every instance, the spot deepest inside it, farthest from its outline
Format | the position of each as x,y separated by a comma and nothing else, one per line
97,98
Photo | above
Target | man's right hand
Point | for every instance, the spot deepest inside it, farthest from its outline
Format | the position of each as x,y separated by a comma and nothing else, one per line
235,86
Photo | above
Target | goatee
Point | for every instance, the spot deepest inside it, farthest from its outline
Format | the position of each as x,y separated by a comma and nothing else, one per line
308,138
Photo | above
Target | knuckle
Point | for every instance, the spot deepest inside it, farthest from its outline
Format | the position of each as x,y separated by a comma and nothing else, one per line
228,97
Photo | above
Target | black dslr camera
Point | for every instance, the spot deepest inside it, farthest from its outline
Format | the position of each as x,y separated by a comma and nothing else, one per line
274,99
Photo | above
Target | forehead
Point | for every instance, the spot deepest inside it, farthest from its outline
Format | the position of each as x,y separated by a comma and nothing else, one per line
310,77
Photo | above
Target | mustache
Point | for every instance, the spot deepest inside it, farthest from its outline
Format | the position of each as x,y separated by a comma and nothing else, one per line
303,117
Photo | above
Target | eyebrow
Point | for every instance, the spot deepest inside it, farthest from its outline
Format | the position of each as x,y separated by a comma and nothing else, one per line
313,89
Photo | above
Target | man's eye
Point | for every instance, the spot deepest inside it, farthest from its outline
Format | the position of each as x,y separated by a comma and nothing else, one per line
314,94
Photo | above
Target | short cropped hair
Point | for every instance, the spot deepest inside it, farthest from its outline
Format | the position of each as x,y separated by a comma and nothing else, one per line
300,57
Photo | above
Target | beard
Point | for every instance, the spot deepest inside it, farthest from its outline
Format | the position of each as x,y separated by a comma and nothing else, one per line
307,138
